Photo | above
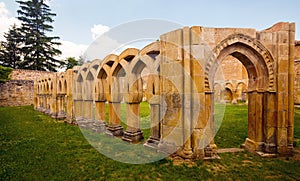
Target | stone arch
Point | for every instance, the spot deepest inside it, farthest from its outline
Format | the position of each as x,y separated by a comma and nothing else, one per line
259,64
119,71
117,89
140,72
229,86
239,45
60,87
102,89
228,95
104,76
65,85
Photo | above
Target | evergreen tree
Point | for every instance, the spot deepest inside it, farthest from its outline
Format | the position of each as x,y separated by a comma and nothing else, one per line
10,52
39,49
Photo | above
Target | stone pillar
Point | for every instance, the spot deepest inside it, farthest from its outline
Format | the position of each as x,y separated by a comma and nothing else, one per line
285,85
87,120
99,116
291,89
133,133
78,110
210,146
155,124
114,127
61,114
270,122
256,138
234,96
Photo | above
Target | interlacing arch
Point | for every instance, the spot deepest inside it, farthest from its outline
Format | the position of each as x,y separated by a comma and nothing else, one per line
182,95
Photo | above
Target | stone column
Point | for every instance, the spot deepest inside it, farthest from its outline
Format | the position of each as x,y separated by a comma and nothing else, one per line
155,124
270,122
114,127
78,110
234,96
133,133
99,116
209,143
291,89
255,140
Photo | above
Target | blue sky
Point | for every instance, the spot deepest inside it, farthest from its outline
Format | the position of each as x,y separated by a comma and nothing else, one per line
76,19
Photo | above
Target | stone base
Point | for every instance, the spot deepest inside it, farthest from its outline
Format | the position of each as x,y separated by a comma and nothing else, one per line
186,154
253,146
114,130
99,127
210,151
86,124
152,143
39,109
266,155
53,115
285,150
43,110
61,115
167,147
133,137
47,111
270,148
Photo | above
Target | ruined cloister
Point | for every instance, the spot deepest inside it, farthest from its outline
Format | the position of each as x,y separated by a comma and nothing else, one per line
177,76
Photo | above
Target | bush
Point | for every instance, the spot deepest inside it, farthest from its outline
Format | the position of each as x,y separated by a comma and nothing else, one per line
4,73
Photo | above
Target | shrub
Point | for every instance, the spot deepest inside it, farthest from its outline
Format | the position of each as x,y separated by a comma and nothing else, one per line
4,73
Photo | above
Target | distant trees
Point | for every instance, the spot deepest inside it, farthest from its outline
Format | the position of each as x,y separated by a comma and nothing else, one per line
32,48
70,62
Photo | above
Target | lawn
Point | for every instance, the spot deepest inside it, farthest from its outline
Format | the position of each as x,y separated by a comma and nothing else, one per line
36,147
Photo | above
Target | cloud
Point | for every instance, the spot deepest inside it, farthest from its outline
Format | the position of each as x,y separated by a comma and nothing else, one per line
6,21
70,49
98,30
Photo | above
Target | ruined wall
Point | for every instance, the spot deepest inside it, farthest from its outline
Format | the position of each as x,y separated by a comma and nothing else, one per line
19,90
180,85
16,93
20,74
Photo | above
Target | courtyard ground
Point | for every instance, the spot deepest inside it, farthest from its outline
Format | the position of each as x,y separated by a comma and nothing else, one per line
36,147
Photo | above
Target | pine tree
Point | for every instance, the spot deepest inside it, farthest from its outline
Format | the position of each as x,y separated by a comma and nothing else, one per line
10,52
39,49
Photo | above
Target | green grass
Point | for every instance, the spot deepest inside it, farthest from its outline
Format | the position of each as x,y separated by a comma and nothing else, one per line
36,147
144,117
234,125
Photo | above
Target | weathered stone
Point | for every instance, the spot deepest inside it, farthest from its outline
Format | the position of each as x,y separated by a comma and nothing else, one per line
187,71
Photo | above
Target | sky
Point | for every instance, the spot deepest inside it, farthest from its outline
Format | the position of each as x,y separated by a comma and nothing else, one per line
79,22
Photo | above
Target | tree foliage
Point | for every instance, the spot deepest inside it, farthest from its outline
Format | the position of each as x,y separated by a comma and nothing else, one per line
4,73
70,62
28,47
10,53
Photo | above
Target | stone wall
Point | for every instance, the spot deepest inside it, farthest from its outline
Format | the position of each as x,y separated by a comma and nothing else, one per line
16,93
19,90
19,74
